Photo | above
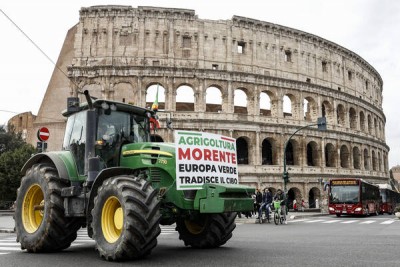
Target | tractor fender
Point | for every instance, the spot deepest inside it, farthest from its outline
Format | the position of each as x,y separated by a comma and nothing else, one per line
49,157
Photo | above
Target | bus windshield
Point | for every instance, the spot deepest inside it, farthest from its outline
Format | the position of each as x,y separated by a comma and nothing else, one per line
344,194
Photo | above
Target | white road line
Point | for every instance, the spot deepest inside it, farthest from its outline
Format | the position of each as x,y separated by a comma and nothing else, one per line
313,221
299,220
367,222
4,253
350,221
387,222
333,221
10,248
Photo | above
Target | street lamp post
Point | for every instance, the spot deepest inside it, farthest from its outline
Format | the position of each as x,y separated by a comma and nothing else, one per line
321,123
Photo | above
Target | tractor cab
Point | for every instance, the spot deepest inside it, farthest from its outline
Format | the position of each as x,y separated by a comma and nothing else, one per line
100,129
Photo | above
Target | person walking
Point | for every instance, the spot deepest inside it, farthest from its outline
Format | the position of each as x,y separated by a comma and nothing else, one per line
258,201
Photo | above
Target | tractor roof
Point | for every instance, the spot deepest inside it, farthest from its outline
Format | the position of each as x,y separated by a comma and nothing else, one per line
99,103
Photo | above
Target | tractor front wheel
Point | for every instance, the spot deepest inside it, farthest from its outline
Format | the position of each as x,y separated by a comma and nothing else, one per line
125,218
40,223
207,230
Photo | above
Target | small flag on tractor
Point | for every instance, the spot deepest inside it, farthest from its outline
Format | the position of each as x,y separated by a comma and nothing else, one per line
154,107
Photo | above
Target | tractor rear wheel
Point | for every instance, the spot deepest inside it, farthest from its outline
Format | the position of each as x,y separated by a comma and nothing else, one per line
207,230
40,223
125,218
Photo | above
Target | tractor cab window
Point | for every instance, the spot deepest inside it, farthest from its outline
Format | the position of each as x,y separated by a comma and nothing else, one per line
75,138
116,128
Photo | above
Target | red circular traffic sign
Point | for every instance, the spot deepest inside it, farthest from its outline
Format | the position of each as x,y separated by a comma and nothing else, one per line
43,134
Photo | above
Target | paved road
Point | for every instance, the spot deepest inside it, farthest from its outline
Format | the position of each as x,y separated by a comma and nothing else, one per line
312,241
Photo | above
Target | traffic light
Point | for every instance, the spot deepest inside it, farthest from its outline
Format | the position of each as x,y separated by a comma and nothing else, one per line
286,177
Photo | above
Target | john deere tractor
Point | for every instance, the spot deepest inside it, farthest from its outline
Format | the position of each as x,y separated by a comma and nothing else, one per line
111,179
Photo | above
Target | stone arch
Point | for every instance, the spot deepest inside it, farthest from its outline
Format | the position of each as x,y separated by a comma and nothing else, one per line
356,158
240,101
369,124
330,155
374,161
294,193
353,118
310,109
242,148
184,98
123,92
289,105
313,195
312,154
362,121
156,138
213,99
366,159
268,152
344,157
292,153
327,111
340,115
151,95
265,103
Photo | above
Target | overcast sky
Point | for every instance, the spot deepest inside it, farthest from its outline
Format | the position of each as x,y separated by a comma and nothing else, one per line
369,28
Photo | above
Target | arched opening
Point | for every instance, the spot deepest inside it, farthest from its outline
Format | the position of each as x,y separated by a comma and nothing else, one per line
312,154
240,102
242,151
369,124
267,152
213,99
265,104
362,121
155,93
376,127
340,115
379,162
310,109
353,118
294,193
289,154
327,111
314,198
374,162
344,157
184,98
356,158
287,106
366,159
330,155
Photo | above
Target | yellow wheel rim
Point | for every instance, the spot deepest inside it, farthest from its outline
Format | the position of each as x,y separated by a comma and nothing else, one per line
112,219
193,227
32,208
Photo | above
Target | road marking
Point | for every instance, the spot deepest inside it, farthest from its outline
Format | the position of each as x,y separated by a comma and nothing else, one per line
387,222
333,221
350,221
299,220
10,248
367,222
313,221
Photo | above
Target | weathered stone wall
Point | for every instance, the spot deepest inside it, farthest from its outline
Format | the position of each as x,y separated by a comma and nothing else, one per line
118,52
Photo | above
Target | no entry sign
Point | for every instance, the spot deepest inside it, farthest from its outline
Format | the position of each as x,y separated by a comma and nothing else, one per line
43,134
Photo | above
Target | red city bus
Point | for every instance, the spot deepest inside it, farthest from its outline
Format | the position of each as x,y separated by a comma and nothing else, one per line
353,197
390,199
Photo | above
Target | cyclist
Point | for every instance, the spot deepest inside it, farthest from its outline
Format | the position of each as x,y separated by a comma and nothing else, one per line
266,203
280,195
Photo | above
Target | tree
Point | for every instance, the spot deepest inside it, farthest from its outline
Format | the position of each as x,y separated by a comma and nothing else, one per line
14,152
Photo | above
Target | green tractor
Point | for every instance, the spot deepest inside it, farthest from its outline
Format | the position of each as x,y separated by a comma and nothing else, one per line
111,179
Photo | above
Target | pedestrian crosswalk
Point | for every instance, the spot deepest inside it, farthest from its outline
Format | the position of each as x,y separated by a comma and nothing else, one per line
9,245
344,221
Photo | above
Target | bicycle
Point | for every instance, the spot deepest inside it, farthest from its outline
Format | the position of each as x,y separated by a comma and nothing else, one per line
279,215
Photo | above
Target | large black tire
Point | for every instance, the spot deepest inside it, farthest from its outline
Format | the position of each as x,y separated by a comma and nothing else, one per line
40,223
207,230
125,218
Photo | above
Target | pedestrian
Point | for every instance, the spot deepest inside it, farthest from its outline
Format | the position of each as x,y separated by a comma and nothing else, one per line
281,196
266,203
295,205
317,203
303,205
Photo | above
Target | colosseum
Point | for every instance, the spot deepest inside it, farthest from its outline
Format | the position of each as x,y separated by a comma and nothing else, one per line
252,80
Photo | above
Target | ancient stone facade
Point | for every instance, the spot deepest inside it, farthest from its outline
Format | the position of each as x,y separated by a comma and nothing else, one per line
251,80
23,123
